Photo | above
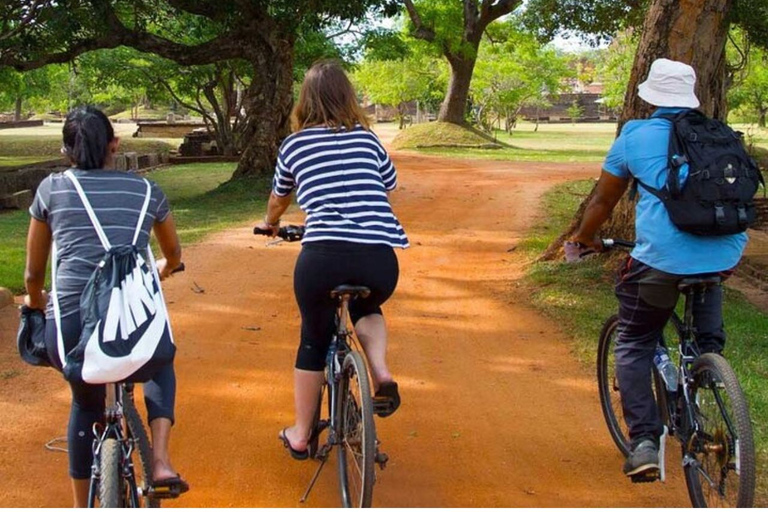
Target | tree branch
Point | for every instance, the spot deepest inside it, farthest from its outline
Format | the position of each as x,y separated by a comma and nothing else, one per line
421,32
491,10
25,20
231,45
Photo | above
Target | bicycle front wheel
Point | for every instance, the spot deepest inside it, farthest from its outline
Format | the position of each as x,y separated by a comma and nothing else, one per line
111,491
608,384
720,455
357,434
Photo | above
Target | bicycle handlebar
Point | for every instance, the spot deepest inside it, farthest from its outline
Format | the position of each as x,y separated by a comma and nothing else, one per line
291,233
612,243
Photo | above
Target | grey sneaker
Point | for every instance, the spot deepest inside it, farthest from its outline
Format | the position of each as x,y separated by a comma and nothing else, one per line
642,465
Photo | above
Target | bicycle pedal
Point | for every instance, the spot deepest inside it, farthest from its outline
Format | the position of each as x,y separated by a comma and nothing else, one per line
164,493
646,477
381,459
382,405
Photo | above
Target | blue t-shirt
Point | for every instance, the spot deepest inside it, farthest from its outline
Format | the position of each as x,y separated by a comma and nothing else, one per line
641,151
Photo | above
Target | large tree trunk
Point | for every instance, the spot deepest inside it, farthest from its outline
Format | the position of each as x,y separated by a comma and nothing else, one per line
454,106
690,31
17,112
267,102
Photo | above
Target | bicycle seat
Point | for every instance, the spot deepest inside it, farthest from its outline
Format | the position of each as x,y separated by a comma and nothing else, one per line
702,283
351,291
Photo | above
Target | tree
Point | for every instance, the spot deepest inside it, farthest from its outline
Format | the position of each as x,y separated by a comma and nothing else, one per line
190,33
692,32
455,29
32,89
397,82
513,70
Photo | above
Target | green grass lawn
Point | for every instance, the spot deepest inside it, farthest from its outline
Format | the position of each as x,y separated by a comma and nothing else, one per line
581,142
579,297
586,142
49,146
202,200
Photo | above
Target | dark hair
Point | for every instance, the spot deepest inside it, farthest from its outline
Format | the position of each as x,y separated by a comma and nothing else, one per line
328,98
87,134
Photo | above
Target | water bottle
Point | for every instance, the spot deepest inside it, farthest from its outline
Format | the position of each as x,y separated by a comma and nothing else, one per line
666,367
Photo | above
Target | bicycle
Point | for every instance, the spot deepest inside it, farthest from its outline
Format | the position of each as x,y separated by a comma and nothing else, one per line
706,412
350,425
114,480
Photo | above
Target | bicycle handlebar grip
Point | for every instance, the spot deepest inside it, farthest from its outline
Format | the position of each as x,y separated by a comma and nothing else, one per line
265,232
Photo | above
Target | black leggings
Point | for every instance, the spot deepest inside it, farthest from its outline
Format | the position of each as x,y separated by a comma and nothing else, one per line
88,399
321,267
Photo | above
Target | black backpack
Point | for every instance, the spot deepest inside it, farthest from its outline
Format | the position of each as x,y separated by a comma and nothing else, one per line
717,197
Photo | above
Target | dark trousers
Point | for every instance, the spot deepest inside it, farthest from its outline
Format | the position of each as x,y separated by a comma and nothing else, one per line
321,267
88,399
647,298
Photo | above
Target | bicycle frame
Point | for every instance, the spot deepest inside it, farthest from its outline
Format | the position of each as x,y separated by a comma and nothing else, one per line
680,416
114,429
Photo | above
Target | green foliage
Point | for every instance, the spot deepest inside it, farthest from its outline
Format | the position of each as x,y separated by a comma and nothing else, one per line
446,19
595,20
39,89
575,111
396,82
599,20
615,66
514,70
750,93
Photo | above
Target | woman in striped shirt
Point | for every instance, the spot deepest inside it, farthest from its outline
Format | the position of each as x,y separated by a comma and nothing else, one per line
342,176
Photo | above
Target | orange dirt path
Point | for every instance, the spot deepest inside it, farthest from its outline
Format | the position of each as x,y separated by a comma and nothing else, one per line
496,411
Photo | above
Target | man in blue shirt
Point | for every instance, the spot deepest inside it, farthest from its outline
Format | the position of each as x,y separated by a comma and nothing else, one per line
647,286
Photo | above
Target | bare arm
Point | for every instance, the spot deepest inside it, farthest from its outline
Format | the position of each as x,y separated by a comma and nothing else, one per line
38,248
275,209
169,245
608,193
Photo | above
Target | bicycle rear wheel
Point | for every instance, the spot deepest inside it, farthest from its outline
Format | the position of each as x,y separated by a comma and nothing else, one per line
137,431
720,455
356,454
111,485
608,385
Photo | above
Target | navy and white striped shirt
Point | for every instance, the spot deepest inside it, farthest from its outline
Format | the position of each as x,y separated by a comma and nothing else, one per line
341,179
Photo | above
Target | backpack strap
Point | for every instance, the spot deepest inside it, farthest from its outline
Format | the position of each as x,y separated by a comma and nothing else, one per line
91,214
143,213
56,307
675,153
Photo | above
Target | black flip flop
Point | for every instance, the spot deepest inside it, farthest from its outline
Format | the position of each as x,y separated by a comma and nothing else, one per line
174,485
389,397
296,454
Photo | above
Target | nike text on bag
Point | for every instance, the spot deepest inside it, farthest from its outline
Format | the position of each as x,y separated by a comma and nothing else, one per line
126,335
717,196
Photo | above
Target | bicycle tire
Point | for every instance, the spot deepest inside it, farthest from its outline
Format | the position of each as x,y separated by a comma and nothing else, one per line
713,373
357,448
111,493
137,430
610,398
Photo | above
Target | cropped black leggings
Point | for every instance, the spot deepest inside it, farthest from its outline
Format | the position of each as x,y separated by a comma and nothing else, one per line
321,267
88,399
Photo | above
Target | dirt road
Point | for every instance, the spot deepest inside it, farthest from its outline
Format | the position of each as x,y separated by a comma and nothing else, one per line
496,411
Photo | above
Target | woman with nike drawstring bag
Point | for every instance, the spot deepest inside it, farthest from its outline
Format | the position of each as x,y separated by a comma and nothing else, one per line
105,318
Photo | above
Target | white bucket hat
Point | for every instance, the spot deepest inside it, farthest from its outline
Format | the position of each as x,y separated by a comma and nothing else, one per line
669,84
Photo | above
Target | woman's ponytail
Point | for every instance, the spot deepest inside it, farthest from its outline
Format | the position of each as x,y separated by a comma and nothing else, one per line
87,134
